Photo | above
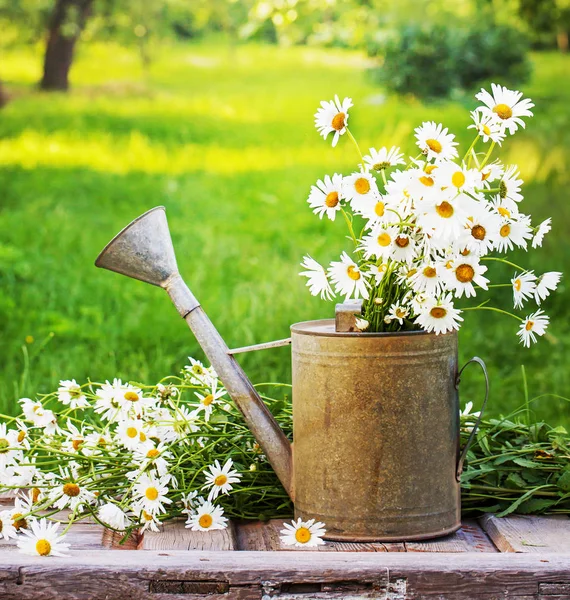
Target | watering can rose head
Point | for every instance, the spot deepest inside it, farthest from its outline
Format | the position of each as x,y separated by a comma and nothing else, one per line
432,226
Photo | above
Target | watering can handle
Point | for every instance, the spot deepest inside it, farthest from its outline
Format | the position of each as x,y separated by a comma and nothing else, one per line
480,362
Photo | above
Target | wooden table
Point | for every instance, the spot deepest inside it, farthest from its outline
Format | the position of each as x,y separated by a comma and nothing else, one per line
516,558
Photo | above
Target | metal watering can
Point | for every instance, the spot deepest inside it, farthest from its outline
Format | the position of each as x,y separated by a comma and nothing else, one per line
375,415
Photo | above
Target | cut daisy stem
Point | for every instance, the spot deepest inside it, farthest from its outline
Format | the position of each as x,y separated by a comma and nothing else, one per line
498,310
505,261
488,155
355,143
468,153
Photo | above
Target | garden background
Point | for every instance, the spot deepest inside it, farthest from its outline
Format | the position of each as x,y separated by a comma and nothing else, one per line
207,108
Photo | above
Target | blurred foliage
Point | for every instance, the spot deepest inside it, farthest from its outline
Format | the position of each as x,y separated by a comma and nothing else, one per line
431,61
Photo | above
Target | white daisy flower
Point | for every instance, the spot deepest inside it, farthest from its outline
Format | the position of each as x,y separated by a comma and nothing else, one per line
219,479
69,393
42,539
487,127
325,197
347,278
75,438
439,316
377,272
190,501
423,184
404,248
435,142
20,512
463,272
467,411
379,242
481,231
7,529
157,457
455,178
377,211
150,495
444,220
532,326
35,412
361,324
505,107
429,278
542,230
10,452
317,281
491,172
208,400
524,286
332,117
113,516
379,160
149,521
132,400
198,373
359,189
105,400
72,495
130,433
418,302
398,313
206,518
303,533
545,284
513,233
510,187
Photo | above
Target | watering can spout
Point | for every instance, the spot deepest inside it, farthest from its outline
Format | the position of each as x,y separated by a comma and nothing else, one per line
143,250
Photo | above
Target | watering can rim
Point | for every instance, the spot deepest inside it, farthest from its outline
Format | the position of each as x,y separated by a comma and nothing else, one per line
123,230
326,328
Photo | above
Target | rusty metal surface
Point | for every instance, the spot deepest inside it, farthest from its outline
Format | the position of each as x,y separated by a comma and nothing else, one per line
345,315
376,432
143,250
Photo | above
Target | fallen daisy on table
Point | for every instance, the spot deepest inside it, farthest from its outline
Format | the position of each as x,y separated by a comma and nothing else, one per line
207,517
303,533
42,539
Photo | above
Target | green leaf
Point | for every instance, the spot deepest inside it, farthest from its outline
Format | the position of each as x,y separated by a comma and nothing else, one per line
515,481
536,505
277,407
564,481
519,501
524,462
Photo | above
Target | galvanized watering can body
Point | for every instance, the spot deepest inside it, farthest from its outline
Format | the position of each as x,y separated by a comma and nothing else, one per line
375,416
376,432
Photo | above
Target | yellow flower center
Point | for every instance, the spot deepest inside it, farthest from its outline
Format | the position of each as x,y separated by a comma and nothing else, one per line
429,272
485,175
21,436
478,232
400,313
35,494
302,535
208,400
381,165
131,396
338,121
503,111
151,493
434,145
142,436
332,199
529,325
486,130
147,516
43,547
132,432
19,522
465,273
402,241
379,209
444,210
517,285
4,445
205,521
504,212
220,480
353,272
427,181
505,230
429,169
76,444
75,392
71,489
362,185
438,312
458,179
384,239
152,453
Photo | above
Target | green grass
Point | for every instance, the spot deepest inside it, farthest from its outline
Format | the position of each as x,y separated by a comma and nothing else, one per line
224,138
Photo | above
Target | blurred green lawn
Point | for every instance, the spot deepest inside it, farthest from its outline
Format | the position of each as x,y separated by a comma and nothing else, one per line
224,138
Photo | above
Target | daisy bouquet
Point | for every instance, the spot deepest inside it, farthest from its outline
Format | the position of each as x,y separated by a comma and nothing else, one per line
430,227
132,456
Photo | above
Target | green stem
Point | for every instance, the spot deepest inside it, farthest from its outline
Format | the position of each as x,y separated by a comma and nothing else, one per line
504,312
355,143
505,261
488,155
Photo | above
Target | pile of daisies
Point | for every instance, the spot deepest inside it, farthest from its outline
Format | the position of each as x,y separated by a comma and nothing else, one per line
425,230
133,456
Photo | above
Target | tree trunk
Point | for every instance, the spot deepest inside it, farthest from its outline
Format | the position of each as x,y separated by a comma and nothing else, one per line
66,23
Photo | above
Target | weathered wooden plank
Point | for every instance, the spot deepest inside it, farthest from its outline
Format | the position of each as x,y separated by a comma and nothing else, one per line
99,574
470,538
265,536
521,533
174,536
81,536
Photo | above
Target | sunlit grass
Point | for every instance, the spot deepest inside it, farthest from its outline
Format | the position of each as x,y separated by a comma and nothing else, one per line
224,138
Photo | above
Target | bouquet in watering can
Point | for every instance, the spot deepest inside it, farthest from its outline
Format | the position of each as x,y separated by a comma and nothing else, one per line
431,227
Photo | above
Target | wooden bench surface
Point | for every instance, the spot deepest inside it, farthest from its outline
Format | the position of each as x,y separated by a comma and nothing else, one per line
520,557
